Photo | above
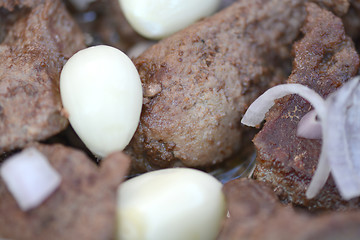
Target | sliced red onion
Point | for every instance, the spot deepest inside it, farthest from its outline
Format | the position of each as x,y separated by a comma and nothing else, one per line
257,110
339,148
322,171
340,129
309,127
30,178
353,129
335,155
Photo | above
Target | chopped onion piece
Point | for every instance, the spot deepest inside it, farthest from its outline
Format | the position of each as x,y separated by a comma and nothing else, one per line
309,127
257,110
30,178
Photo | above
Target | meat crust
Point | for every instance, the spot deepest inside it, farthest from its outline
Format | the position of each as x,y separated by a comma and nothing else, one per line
324,58
36,39
83,207
256,213
198,82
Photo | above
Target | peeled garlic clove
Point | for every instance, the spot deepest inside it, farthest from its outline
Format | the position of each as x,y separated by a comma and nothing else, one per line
170,204
30,178
101,91
156,19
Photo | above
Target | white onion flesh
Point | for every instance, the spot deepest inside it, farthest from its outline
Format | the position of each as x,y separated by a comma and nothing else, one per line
340,127
30,178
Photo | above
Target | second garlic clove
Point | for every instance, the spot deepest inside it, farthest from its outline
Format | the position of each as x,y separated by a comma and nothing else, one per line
156,19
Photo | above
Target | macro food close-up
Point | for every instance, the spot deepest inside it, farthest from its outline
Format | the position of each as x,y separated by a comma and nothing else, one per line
179,120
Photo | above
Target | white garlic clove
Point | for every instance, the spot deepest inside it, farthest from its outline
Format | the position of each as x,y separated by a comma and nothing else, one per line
30,178
156,19
170,204
102,94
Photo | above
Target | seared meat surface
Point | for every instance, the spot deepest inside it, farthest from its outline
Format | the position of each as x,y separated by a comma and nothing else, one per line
83,207
36,39
256,213
198,83
323,59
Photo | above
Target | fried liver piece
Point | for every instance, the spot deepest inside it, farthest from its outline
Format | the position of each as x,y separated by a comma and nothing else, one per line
36,39
83,207
256,213
198,82
324,58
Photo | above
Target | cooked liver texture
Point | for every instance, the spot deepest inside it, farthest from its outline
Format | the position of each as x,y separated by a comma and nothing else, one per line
36,38
256,213
198,83
323,59
83,207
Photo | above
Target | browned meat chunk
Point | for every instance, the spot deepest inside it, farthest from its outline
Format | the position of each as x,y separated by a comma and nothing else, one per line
35,40
83,207
324,58
256,213
198,82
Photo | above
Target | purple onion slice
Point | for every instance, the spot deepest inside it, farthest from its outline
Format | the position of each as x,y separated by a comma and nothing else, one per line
338,124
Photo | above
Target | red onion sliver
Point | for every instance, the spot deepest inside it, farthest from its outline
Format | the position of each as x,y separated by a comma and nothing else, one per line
29,177
320,176
340,127
257,110
309,127
338,146
352,129
323,168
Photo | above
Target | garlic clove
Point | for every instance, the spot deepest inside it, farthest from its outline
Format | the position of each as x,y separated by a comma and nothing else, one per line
101,92
170,204
156,19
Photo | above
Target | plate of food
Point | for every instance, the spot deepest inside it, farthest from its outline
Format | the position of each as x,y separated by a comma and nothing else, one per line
176,119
